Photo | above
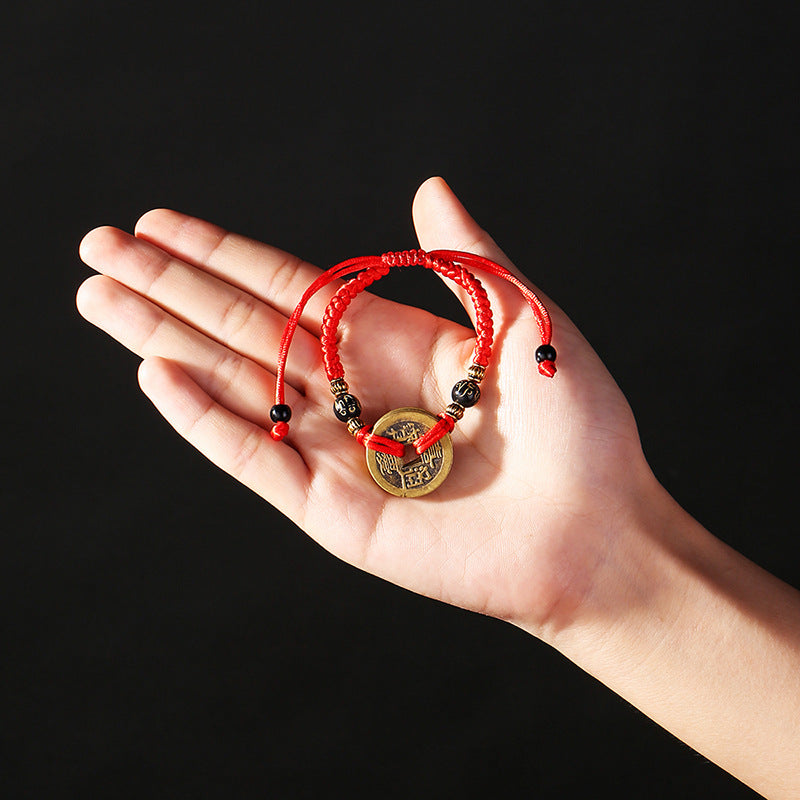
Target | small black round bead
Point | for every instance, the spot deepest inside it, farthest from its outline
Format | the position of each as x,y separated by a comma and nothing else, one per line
280,413
545,352
346,407
466,393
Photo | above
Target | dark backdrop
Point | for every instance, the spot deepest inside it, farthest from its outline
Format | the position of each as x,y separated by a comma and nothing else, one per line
167,634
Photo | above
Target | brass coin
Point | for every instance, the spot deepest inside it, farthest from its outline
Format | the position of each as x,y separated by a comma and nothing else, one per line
423,473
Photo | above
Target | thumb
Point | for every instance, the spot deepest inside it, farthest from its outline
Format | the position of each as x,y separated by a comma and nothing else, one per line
442,223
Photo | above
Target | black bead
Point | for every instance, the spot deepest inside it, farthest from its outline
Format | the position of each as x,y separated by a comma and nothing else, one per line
466,393
545,352
280,413
346,407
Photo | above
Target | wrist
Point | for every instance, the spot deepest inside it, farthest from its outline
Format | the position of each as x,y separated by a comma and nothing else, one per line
698,638
628,568
645,576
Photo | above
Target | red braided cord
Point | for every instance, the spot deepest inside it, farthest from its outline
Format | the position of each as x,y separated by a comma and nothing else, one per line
546,368
342,299
444,426
374,268
334,312
478,262
339,271
484,328
380,443
347,293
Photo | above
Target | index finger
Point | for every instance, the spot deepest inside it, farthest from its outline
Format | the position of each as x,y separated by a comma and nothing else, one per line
275,276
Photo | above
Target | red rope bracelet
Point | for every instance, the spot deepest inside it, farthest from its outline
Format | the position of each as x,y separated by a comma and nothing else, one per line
428,436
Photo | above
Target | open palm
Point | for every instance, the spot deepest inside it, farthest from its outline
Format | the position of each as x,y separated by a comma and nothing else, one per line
540,465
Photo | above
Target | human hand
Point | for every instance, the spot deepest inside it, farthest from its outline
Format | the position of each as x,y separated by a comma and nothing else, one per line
550,518
543,468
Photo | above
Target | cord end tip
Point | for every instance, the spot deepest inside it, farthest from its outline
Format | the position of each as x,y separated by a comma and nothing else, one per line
547,368
279,430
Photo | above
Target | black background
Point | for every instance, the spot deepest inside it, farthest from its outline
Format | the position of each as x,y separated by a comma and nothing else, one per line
167,634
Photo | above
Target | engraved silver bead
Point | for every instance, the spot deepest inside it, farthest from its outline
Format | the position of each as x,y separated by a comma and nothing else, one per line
455,410
339,386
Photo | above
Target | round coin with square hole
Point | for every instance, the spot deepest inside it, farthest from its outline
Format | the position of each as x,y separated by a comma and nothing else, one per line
418,474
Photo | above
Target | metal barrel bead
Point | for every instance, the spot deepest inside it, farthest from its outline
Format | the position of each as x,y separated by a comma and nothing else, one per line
355,425
339,386
476,372
455,410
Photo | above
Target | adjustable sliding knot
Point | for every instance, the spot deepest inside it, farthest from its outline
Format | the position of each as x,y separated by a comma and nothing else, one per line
428,435
405,258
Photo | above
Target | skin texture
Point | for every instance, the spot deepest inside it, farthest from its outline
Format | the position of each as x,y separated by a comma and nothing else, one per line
550,519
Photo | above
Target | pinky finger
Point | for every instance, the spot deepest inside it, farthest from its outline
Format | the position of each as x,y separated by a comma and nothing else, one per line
245,451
